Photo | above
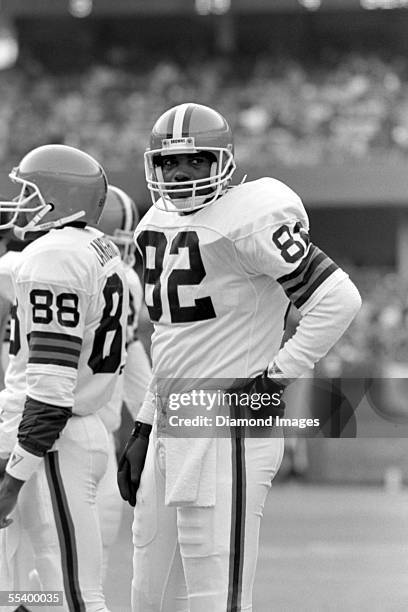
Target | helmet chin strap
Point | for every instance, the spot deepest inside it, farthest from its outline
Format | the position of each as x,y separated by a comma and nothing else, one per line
20,232
32,226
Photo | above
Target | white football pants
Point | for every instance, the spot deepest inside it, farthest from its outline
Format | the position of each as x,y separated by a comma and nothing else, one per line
109,504
196,559
57,508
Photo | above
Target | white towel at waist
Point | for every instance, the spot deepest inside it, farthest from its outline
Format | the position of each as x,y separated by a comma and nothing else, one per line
190,471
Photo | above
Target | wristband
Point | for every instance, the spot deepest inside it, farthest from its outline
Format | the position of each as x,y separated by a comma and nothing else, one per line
274,371
148,409
22,464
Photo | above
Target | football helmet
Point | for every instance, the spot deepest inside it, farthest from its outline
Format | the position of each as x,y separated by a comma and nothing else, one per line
59,185
187,129
118,221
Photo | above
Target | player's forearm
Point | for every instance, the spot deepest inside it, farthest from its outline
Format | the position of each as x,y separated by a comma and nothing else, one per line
9,423
51,387
40,426
148,408
137,375
34,421
319,329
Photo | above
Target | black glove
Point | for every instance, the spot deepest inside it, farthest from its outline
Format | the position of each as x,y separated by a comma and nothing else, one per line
132,462
265,386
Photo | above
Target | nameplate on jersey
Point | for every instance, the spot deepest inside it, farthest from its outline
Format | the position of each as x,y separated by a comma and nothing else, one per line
104,249
179,143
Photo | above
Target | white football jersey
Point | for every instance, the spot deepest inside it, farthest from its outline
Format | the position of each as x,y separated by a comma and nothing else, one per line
68,330
8,265
111,412
135,304
218,281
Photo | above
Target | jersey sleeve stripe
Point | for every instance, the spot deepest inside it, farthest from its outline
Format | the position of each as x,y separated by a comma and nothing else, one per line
315,268
311,288
46,335
314,257
46,348
52,348
53,359
47,343
320,263
305,261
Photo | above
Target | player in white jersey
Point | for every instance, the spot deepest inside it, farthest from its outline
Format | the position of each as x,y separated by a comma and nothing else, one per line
17,568
5,301
8,263
118,221
67,350
221,266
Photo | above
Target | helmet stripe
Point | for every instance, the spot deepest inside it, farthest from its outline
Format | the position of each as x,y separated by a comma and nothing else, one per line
179,120
170,123
186,120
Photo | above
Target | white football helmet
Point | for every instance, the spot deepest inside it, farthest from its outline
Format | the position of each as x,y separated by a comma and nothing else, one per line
184,129
118,221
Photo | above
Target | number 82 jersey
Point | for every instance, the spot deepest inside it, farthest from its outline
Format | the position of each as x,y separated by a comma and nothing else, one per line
68,327
218,281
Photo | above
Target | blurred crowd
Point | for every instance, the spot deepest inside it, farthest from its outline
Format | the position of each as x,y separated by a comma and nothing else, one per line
344,107
378,336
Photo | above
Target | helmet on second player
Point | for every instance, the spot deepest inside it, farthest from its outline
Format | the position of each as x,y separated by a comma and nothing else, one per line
187,129
118,221
59,185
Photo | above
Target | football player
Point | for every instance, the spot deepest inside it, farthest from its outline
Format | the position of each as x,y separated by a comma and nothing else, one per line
66,353
5,299
5,305
17,565
118,222
8,262
4,317
221,265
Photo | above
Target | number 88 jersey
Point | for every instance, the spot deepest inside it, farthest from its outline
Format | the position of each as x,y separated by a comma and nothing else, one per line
218,282
68,328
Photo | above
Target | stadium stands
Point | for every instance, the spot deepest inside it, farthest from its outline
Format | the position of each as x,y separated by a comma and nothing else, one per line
293,113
